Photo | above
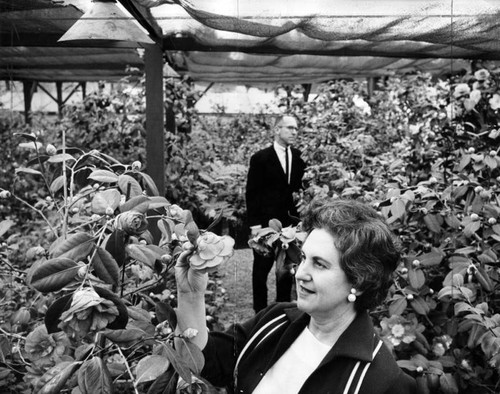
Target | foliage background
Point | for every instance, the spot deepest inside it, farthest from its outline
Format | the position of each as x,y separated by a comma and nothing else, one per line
423,151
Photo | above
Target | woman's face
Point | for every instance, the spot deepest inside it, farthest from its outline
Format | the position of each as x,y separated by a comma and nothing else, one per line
322,286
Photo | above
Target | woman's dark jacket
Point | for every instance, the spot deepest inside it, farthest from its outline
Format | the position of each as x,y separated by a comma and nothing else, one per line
271,332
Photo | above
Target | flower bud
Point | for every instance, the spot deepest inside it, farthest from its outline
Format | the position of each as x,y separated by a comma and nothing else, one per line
110,211
21,316
474,217
415,263
493,153
136,165
51,150
82,271
166,258
190,333
4,194
492,221
409,297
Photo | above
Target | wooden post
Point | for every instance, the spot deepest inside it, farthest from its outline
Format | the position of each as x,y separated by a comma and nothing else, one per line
59,99
28,87
370,83
155,138
307,91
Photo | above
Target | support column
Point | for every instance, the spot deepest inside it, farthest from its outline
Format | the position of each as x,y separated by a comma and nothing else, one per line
59,100
307,90
370,82
28,94
155,138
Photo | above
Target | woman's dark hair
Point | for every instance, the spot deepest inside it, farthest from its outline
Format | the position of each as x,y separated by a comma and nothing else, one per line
369,252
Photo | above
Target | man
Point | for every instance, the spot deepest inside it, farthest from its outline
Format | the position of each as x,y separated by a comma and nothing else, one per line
269,194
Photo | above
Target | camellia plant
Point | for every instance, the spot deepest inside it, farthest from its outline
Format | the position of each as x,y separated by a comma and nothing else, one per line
427,159
282,243
106,279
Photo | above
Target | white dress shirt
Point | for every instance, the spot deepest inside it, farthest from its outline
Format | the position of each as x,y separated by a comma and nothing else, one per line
280,151
290,372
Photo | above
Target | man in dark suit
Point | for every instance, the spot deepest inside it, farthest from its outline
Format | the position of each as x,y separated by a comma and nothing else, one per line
274,174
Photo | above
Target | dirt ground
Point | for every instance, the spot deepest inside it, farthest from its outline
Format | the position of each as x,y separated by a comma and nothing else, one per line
236,276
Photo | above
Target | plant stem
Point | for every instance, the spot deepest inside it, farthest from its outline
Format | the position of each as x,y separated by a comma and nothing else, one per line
37,211
128,369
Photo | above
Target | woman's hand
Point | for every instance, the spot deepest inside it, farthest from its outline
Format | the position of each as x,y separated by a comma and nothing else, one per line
189,280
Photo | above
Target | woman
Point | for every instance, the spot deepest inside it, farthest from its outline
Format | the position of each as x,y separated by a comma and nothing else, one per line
325,343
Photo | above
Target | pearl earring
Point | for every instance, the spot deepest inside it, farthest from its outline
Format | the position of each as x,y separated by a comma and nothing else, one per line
352,297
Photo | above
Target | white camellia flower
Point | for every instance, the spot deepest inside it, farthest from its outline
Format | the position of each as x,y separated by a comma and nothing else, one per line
211,251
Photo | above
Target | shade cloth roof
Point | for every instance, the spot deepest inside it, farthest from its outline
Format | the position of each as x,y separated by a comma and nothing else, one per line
252,41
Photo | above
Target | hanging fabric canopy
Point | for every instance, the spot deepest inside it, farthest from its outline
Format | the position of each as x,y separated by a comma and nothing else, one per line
257,40
293,40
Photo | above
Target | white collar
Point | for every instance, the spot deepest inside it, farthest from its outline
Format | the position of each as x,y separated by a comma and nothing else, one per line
279,148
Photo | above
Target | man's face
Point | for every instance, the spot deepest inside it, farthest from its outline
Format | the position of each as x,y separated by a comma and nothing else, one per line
286,131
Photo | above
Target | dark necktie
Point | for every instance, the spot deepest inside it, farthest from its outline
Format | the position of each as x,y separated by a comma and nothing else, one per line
287,172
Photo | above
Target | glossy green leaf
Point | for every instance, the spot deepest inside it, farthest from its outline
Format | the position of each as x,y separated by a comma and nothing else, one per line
398,306
35,145
143,253
416,277
106,199
448,384
419,305
115,245
94,377
431,258
165,226
433,223
150,367
103,176
138,314
125,336
29,137
177,361
150,184
275,224
57,184
54,274
192,232
471,228
56,377
398,208
5,226
71,247
166,383
164,312
61,157
192,355
106,267
129,186
133,203
157,202
30,171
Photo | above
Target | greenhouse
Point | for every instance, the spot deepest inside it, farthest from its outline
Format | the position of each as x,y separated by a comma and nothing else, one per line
137,206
